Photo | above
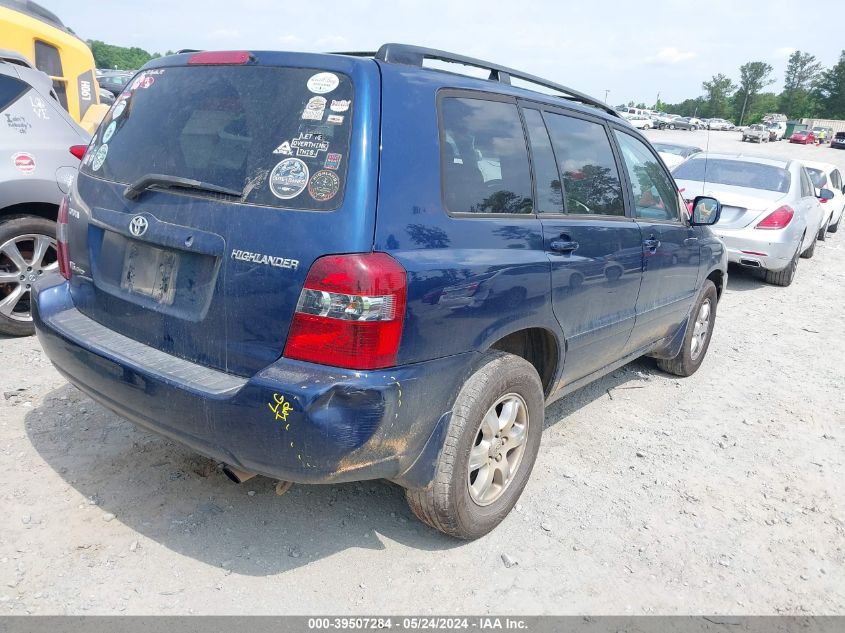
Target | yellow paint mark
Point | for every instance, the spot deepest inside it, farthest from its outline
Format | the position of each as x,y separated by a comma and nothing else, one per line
285,407
287,427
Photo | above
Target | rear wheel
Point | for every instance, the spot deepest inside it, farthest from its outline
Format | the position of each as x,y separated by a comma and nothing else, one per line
823,231
784,277
811,250
697,337
833,228
490,448
27,251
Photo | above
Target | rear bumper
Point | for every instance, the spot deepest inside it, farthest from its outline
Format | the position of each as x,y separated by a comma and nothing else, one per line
294,421
748,247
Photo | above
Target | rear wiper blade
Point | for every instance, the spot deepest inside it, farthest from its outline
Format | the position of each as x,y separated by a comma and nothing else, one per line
163,180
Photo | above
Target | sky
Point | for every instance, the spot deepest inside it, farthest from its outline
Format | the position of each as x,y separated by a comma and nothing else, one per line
635,49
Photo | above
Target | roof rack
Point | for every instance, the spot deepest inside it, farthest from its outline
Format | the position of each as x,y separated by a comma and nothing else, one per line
416,55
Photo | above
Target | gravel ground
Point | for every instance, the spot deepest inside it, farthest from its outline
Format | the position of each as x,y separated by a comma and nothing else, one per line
652,494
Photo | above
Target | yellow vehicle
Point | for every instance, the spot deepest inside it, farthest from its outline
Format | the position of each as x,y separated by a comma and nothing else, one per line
30,29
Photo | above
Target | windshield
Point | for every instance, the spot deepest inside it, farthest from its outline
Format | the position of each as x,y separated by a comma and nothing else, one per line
734,173
278,135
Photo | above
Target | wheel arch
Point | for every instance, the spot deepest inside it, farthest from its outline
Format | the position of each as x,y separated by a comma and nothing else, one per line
540,347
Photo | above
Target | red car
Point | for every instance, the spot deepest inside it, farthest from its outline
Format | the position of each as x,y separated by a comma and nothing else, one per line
804,137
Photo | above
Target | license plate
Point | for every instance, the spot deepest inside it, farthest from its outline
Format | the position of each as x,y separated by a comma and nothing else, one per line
150,272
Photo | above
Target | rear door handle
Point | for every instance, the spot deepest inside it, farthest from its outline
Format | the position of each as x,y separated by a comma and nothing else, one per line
691,241
651,244
563,246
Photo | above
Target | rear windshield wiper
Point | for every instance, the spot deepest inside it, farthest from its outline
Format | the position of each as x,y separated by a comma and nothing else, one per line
163,180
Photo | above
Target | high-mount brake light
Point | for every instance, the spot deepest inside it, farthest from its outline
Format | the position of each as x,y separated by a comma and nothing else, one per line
220,58
61,240
777,219
350,312
78,150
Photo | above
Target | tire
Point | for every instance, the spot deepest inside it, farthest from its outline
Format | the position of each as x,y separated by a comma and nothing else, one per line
20,237
784,277
671,126
822,234
811,250
447,504
833,228
697,338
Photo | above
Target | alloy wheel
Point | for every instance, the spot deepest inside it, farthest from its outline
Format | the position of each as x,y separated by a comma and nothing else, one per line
23,259
498,449
700,330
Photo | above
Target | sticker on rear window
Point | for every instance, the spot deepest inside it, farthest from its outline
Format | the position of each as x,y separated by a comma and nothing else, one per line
284,148
99,157
324,185
288,178
24,162
314,109
119,107
321,83
340,105
333,160
334,118
309,145
109,131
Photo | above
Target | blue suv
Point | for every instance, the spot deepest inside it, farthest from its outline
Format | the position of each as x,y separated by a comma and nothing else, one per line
336,267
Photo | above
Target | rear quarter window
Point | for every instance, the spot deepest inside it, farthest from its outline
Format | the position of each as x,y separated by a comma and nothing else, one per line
11,90
280,136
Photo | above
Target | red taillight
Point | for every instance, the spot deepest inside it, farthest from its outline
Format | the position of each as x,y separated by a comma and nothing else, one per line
78,150
350,312
220,57
777,219
61,240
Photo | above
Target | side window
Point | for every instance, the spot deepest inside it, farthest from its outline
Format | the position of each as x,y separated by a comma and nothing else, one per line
655,195
588,170
806,186
48,60
549,194
10,90
484,157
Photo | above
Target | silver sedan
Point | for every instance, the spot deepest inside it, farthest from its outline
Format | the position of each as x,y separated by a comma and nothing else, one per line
771,214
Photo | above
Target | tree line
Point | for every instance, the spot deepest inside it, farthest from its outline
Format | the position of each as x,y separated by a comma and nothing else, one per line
109,56
809,91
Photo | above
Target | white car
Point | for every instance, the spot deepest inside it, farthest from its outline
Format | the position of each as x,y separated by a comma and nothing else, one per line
828,176
640,121
771,215
718,124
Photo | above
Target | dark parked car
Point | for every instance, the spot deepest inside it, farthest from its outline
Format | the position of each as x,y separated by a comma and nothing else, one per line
838,141
114,82
260,272
683,123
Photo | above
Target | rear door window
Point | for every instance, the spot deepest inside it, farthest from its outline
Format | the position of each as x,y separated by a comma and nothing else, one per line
591,184
546,176
280,136
484,157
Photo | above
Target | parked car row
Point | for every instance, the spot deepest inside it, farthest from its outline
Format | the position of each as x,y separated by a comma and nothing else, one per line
773,210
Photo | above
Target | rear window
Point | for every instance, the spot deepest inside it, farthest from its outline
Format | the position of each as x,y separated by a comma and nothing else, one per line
734,173
10,90
280,136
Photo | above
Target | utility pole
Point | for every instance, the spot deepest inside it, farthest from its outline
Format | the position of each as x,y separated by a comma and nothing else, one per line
605,95
744,103
657,103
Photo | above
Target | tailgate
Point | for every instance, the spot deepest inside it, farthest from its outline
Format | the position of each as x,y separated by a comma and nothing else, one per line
214,277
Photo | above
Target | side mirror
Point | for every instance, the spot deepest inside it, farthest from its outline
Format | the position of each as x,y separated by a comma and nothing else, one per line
705,211
825,194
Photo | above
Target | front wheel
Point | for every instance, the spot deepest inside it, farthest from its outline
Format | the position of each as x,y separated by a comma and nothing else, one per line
698,334
490,448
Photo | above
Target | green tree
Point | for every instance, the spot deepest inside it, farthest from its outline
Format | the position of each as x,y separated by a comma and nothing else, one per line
718,89
119,57
802,71
753,77
830,91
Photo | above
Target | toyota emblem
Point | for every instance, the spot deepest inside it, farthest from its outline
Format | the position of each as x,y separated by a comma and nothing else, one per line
138,225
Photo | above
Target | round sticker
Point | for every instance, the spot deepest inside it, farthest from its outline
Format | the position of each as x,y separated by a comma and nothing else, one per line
288,178
24,162
99,157
146,82
324,185
321,83
118,109
109,131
